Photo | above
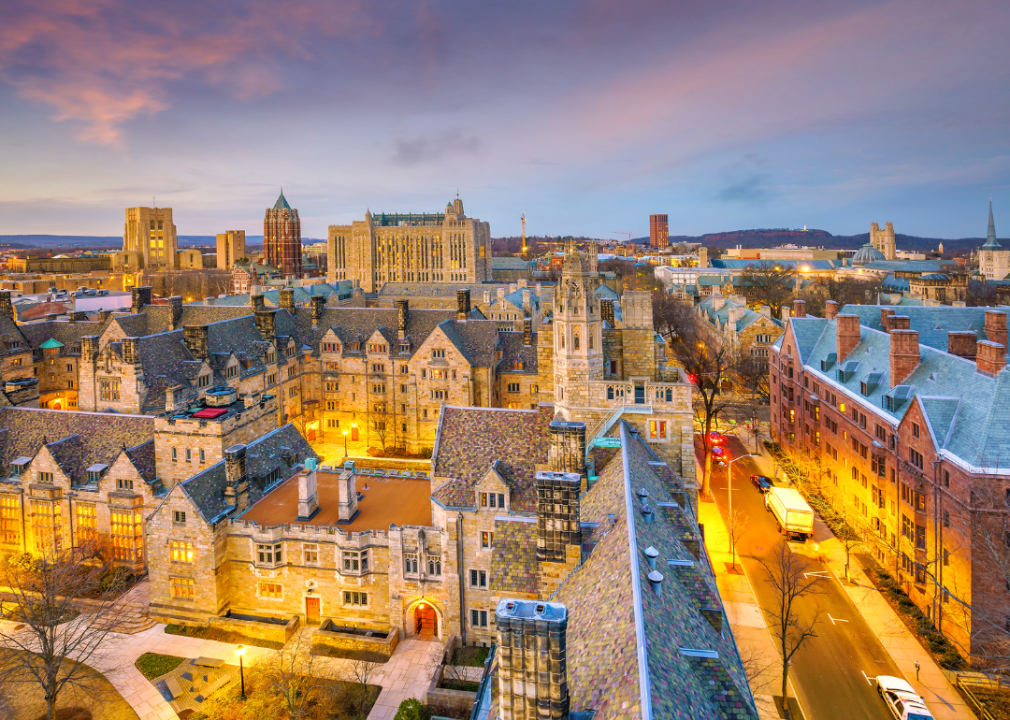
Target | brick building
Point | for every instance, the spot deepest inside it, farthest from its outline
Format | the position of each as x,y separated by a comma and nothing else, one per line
659,231
282,238
901,413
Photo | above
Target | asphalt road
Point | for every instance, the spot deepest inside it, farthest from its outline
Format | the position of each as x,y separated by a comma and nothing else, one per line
832,673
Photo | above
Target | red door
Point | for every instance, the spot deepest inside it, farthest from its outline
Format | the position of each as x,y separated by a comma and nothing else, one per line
354,434
312,610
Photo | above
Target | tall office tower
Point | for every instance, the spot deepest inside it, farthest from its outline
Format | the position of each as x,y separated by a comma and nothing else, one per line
151,233
230,247
282,238
659,231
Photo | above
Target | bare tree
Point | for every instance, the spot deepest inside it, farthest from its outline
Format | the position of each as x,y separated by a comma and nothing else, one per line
381,428
290,675
357,673
786,575
49,642
736,527
769,283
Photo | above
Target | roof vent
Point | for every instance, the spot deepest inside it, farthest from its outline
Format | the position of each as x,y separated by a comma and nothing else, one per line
643,494
647,513
651,554
656,581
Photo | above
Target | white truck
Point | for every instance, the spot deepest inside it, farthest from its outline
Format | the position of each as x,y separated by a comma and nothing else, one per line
794,517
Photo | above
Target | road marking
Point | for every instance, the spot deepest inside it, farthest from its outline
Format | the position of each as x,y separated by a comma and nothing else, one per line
819,573
868,678
836,620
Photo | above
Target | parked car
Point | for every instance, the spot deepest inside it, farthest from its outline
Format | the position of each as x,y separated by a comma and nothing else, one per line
761,482
716,438
719,455
903,702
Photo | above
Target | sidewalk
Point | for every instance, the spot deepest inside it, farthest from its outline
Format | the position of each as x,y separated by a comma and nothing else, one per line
903,647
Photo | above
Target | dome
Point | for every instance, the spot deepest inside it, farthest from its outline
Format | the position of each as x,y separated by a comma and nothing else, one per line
867,254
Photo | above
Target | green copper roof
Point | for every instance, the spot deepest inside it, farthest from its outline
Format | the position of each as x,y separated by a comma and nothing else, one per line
282,203
51,343
990,238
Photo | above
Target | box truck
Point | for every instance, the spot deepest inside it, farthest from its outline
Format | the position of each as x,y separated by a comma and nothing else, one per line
795,518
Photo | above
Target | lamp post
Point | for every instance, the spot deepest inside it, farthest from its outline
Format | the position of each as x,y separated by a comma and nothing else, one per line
345,444
241,669
729,482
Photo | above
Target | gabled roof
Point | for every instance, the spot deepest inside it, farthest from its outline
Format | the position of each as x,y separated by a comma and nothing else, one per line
932,322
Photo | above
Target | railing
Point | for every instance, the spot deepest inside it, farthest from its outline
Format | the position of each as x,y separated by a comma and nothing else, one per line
603,427
965,681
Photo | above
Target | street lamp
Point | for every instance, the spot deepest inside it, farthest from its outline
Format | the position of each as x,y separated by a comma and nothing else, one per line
729,482
241,669
345,444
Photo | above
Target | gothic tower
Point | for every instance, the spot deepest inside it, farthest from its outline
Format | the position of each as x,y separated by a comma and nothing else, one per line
578,331
282,238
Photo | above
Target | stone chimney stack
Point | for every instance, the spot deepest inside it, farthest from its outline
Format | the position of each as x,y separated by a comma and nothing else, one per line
308,495
830,309
785,314
847,335
348,491
89,347
286,299
900,322
532,660
318,303
995,327
607,311
527,304
402,317
257,303
799,308
904,354
991,357
462,304
527,332
266,324
567,450
962,343
6,308
130,354
195,338
558,525
885,319
236,484
175,302
103,316
141,297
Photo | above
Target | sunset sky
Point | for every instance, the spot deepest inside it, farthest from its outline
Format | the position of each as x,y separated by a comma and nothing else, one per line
586,115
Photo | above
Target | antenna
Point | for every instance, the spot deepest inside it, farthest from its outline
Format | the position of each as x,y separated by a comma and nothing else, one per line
524,233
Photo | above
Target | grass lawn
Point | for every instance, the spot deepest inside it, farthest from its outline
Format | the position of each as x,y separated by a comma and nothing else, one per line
98,701
154,665
366,655
471,656
211,633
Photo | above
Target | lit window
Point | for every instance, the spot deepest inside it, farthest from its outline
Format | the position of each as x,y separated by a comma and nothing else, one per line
181,551
274,591
183,588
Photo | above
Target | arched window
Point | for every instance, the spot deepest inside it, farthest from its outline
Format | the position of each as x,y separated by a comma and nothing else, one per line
591,336
576,342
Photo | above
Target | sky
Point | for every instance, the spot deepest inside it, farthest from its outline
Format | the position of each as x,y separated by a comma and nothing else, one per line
585,115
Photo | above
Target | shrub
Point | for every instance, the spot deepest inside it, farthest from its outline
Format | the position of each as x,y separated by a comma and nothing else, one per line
412,709
950,660
118,578
937,643
884,576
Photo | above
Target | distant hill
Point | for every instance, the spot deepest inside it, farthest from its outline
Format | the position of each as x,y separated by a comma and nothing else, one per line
822,238
113,241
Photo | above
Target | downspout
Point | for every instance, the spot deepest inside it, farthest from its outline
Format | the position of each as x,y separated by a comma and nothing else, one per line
462,584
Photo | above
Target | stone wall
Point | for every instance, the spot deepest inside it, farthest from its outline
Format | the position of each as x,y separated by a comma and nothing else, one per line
458,700
353,641
260,630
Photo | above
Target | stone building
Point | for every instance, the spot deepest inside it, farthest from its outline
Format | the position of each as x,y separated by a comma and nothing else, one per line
413,248
993,259
149,240
883,240
942,288
900,413
230,247
750,333
282,238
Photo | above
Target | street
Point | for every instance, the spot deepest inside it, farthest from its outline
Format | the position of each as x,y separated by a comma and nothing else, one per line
833,672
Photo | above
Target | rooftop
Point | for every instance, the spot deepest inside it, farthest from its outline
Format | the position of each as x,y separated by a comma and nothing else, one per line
384,501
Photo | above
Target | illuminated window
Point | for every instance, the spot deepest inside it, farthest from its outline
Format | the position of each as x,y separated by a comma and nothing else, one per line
128,534
657,429
486,539
181,551
87,522
10,519
271,590
47,526
311,552
182,588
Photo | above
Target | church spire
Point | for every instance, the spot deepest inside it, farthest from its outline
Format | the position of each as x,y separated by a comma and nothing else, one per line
282,203
990,238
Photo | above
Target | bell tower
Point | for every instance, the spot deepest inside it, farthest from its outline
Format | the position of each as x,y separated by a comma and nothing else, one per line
578,331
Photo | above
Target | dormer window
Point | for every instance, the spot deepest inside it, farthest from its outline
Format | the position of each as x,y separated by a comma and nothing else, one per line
331,347
377,347
356,347
19,466
438,353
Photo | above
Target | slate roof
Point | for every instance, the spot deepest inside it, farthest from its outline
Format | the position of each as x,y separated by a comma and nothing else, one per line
341,289
282,202
77,440
282,450
743,264
916,266
513,349
609,592
69,334
155,319
166,362
932,322
509,263
968,412
471,439
514,557
477,340
721,315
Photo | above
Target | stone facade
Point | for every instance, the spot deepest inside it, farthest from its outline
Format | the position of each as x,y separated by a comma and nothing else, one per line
883,240
413,248
230,247
150,235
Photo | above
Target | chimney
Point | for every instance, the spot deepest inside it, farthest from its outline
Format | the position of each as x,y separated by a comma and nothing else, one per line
266,324
830,309
962,343
799,308
348,491
194,337
78,316
785,315
130,354
236,483
532,660
904,354
462,304
995,327
170,397
89,347
257,302
141,297
847,335
308,496
885,319
765,311
991,357
286,299
900,322
558,523
175,302
607,311
527,306
402,317
318,303
487,297
567,450
6,308
527,332
501,293
717,302
103,316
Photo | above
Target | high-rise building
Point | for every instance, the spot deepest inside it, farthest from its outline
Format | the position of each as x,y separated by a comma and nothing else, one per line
230,247
412,248
282,238
150,233
659,231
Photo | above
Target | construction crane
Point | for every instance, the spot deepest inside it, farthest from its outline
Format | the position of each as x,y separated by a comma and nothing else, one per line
524,233
621,232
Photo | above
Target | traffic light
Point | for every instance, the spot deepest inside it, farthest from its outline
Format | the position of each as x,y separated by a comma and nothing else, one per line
693,378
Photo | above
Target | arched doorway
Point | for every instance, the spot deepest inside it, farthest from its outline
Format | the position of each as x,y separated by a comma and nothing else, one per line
423,620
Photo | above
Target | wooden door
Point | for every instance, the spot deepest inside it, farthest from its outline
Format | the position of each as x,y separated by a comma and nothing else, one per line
354,434
312,610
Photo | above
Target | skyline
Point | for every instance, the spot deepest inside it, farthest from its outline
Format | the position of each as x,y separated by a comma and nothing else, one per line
588,117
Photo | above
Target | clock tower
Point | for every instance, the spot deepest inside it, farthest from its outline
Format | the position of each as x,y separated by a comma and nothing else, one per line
578,331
